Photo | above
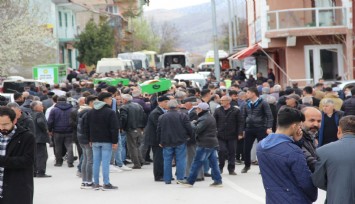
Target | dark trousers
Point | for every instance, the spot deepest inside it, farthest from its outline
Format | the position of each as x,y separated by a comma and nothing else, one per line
226,151
240,149
134,140
250,136
158,162
41,158
67,140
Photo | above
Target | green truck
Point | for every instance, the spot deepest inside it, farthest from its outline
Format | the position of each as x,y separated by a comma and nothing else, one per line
50,73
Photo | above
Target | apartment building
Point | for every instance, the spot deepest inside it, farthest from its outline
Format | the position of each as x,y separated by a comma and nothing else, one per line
301,40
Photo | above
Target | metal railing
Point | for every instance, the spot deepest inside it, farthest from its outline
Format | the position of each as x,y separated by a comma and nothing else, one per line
307,18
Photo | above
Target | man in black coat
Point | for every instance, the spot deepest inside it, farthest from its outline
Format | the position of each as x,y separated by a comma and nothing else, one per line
174,129
16,160
258,123
229,126
150,131
190,111
133,120
310,128
42,138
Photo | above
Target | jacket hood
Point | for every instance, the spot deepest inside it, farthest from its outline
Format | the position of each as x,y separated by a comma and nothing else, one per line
274,139
331,95
84,107
99,104
63,105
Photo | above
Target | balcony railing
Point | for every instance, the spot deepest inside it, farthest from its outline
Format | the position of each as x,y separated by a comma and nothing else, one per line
307,18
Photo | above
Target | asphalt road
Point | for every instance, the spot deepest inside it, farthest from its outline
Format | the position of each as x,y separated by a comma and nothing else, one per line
137,186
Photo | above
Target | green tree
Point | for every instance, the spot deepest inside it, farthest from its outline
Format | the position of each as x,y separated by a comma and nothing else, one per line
95,42
144,37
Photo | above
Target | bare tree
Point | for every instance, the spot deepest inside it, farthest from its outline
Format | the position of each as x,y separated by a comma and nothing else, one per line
170,37
23,34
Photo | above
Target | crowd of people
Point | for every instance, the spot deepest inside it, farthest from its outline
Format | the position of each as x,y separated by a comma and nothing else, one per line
305,136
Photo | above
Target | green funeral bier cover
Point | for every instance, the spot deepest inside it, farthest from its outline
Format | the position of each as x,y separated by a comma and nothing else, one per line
112,81
155,86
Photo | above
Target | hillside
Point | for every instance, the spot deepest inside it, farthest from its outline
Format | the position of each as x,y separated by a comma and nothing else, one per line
194,23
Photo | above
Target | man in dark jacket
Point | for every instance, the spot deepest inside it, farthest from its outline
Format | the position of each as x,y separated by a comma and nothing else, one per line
207,143
229,126
283,167
310,128
42,138
61,130
24,119
349,104
102,130
150,131
173,131
16,160
133,121
334,170
258,123
83,139
188,108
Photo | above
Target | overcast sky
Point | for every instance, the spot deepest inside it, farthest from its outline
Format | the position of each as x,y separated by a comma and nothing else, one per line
172,4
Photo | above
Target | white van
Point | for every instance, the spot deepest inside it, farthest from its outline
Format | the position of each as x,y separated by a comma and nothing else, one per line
106,65
175,60
197,79
139,59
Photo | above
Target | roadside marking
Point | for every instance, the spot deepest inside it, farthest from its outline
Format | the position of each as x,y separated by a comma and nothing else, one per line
243,191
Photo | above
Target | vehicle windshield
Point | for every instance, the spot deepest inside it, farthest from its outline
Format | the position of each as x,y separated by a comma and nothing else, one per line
13,87
138,64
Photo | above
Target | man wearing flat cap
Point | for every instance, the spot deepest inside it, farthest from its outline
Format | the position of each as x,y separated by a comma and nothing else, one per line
150,132
190,110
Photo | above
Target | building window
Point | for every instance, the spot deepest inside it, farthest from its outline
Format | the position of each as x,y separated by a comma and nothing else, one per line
113,9
66,19
60,19
73,20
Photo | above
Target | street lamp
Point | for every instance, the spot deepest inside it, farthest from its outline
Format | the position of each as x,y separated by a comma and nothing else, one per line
215,45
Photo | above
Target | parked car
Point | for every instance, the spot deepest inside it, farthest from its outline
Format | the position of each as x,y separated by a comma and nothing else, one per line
344,84
206,66
18,85
9,97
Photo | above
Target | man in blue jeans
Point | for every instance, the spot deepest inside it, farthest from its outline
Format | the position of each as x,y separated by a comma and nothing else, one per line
102,130
173,131
207,143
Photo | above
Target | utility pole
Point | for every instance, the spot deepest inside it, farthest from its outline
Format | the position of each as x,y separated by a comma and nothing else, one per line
215,45
230,22
235,23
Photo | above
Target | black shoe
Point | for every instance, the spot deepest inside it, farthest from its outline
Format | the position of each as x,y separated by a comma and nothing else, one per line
145,163
109,187
159,179
232,173
136,167
149,160
245,169
58,164
200,179
43,176
70,165
238,162
207,175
